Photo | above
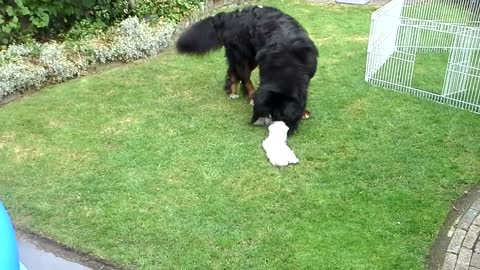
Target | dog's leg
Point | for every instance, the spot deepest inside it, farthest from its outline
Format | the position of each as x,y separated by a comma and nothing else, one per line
247,83
231,84
250,90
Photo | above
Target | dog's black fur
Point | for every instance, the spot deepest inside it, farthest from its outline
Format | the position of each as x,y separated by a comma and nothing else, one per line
263,36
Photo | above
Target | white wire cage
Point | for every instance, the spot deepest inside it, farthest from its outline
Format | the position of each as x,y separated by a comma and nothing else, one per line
429,48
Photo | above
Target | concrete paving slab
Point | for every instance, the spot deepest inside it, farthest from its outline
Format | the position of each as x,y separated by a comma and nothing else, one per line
34,258
353,2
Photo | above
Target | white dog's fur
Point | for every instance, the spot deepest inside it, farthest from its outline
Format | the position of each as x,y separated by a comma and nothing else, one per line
275,145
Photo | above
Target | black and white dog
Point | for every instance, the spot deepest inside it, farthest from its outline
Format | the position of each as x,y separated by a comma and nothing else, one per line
267,38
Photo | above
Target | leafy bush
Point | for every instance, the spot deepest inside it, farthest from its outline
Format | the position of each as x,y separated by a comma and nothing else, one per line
59,65
171,10
21,19
25,18
14,53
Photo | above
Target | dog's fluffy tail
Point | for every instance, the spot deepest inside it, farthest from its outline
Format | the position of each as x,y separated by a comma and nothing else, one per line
200,38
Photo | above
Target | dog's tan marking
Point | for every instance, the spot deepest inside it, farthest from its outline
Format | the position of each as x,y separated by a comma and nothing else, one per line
248,84
233,85
306,114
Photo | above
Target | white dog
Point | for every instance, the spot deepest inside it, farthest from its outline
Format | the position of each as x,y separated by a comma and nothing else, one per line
275,145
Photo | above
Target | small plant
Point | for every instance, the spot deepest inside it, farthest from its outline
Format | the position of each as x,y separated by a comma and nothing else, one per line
19,77
135,39
59,66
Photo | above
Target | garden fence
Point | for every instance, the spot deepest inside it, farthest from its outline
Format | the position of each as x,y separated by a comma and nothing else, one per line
429,48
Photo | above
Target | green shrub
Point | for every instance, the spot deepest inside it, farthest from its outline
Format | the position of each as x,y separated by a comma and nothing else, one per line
42,20
171,10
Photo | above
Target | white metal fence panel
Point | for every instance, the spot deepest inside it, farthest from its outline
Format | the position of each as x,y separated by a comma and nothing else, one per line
383,35
406,34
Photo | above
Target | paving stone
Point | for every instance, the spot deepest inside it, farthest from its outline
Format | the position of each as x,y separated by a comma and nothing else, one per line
450,261
452,228
467,219
35,258
456,241
472,236
473,268
476,205
475,260
477,221
463,261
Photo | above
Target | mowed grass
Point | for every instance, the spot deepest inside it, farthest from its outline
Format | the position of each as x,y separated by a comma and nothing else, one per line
429,71
150,166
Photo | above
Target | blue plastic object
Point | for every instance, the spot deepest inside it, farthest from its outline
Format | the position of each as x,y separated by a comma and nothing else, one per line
8,243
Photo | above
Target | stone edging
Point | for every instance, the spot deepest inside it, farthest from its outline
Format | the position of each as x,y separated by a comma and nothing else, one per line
463,251
457,246
65,252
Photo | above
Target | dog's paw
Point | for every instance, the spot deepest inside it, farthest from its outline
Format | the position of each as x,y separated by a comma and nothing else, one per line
233,96
260,121
306,115
252,102
263,121
268,121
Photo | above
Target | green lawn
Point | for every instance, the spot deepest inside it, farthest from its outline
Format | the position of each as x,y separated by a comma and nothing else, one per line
150,166
429,71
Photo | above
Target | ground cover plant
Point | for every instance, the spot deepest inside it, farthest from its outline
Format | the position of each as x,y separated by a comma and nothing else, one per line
150,166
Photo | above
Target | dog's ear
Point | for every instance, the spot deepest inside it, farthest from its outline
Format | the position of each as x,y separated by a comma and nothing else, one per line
303,49
261,54
268,52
